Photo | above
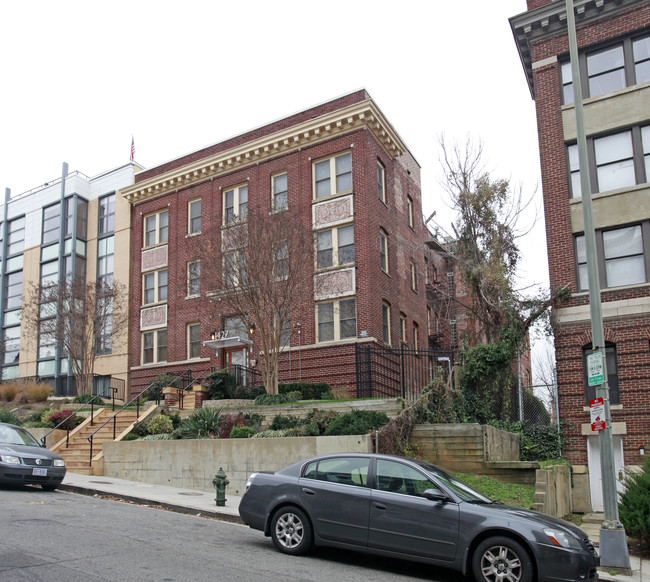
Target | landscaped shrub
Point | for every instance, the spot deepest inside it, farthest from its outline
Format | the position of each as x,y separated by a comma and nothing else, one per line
229,421
38,392
45,415
221,385
634,507
248,392
536,442
165,436
272,434
9,417
309,391
254,420
357,422
84,399
72,419
322,419
202,423
160,424
242,432
281,422
130,437
8,391
271,399
139,429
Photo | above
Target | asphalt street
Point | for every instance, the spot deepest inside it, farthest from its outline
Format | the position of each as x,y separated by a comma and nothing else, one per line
76,538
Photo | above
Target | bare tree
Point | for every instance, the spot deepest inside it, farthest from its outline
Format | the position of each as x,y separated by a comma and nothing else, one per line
266,265
79,318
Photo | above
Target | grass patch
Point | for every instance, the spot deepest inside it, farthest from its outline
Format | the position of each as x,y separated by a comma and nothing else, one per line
509,493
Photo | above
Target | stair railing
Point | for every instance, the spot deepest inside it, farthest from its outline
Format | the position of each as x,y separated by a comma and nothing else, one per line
180,391
67,418
136,399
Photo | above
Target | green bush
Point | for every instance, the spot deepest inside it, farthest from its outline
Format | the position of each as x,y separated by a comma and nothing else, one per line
221,385
242,432
309,391
130,437
281,422
160,424
356,422
85,398
202,423
271,399
9,417
272,434
634,507
165,436
139,429
45,415
254,420
248,392
322,419
38,424
536,442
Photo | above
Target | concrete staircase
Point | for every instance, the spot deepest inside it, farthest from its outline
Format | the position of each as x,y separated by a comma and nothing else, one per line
77,451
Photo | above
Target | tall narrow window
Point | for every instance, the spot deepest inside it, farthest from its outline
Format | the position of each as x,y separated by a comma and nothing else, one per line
194,278
193,340
416,336
402,327
106,215
414,276
385,322
409,210
194,217
281,260
383,250
381,182
280,192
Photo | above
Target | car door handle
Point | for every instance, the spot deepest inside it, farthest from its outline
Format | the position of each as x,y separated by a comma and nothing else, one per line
379,505
308,491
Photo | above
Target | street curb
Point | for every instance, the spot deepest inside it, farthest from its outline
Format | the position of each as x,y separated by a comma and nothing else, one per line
216,514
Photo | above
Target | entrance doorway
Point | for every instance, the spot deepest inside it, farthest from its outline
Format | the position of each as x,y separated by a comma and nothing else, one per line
236,362
595,475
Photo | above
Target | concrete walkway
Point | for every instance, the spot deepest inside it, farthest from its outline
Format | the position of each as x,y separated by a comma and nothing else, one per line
203,504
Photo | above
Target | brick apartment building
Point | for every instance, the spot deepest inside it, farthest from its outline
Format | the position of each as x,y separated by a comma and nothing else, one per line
614,45
74,224
344,172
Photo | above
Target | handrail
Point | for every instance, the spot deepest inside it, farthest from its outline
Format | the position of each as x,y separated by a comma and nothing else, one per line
135,399
92,413
180,392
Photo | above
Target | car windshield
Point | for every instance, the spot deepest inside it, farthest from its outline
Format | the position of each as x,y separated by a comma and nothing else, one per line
10,435
456,486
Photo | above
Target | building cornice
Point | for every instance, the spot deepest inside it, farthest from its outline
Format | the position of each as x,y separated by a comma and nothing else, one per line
364,115
550,19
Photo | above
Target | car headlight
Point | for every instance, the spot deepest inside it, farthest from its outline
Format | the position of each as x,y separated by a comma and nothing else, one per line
58,463
562,538
10,459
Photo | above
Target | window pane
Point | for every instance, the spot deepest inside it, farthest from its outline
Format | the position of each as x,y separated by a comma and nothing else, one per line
642,72
324,249
615,166
347,314
162,345
616,175
605,70
567,83
322,171
344,173
623,242
613,148
626,271
641,49
325,322
607,82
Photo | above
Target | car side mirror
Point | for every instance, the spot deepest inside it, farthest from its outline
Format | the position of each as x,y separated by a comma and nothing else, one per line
435,495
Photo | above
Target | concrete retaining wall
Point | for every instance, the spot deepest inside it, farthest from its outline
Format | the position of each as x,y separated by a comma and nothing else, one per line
553,491
192,464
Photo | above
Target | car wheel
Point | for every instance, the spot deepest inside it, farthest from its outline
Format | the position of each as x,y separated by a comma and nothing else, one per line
291,531
501,559
49,487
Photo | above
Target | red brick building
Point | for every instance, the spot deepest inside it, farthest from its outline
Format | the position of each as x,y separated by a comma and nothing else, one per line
347,174
614,45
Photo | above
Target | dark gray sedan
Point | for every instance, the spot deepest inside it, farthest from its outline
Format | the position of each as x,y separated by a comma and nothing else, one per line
24,462
413,510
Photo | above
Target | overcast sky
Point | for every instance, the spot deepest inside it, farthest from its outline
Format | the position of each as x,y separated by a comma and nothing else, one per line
79,78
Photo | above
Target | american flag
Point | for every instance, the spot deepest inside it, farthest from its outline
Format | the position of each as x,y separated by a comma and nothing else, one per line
132,149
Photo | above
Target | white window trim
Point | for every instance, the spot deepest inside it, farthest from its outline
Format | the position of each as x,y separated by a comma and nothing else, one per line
335,247
189,217
155,346
337,320
413,276
236,204
273,192
157,242
332,175
189,347
156,287
402,328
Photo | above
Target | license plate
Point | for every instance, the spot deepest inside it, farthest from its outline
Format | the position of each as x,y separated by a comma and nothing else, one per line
39,472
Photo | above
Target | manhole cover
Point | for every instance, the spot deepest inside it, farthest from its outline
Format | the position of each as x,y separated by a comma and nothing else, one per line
191,494
102,482
35,522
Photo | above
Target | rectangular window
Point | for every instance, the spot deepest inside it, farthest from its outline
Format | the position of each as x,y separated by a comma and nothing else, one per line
402,328
336,320
335,247
623,260
612,374
381,182
383,250
106,215
333,176
414,276
154,346
11,345
154,287
194,217
620,65
156,228
16,236
105,259
51,224
235,269
385,322
235,204
281,260
104,322
13,291
614,161
409,210
280,189
416,336
194,278
193,340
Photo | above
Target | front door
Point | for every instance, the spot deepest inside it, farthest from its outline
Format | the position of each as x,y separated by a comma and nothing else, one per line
235,359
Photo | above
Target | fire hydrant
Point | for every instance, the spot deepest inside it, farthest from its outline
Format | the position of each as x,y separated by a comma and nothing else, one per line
220,481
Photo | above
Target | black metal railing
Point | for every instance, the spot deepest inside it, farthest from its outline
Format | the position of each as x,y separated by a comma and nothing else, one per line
398,372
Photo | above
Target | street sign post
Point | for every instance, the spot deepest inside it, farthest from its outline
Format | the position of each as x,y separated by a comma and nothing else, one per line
595,372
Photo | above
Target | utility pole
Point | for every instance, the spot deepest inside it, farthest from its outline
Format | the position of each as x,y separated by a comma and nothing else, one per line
614,552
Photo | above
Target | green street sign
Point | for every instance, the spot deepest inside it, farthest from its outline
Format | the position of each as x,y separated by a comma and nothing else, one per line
595,372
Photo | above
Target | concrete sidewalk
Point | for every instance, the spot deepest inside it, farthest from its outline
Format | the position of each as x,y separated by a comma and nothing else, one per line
203,504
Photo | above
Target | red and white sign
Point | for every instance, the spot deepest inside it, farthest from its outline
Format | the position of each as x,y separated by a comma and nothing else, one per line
597,411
